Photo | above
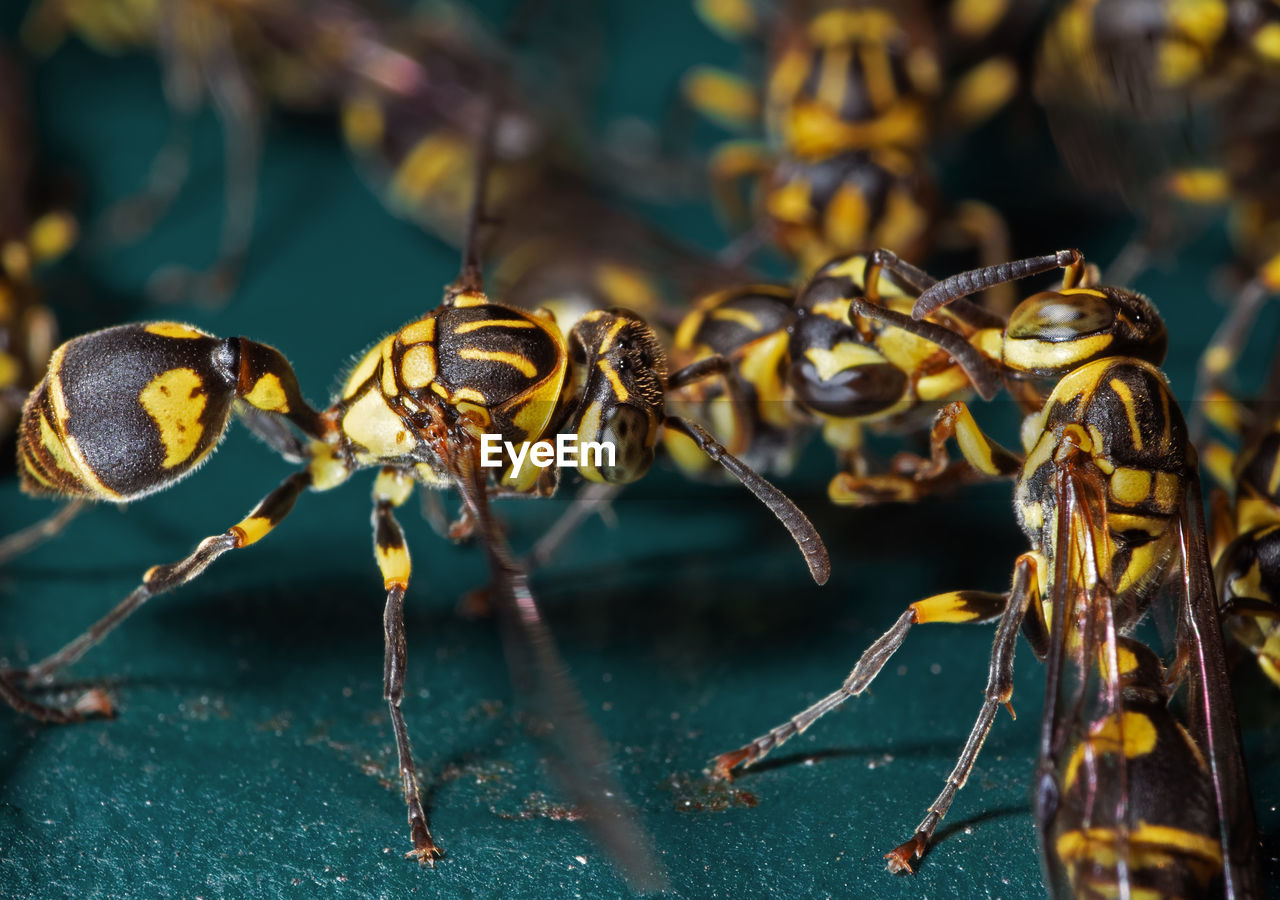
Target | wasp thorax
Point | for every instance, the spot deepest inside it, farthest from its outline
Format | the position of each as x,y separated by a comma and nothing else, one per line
834,372
622,373
1053,332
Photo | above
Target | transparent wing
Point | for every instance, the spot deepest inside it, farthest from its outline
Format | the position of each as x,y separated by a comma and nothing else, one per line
577,755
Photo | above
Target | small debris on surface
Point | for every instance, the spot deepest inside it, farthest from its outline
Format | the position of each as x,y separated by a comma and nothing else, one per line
539,806
701,794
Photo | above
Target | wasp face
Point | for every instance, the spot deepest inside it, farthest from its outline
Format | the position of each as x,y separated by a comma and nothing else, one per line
1054,332
623,372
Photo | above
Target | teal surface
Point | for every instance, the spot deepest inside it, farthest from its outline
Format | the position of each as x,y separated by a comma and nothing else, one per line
252,755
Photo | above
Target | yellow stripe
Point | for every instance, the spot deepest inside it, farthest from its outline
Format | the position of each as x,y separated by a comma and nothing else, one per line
740,316
521,363
619,389
252,530
1126,397
466,327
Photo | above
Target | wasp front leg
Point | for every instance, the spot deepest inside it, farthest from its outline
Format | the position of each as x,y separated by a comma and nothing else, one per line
733,164
955,607
983,459
392,489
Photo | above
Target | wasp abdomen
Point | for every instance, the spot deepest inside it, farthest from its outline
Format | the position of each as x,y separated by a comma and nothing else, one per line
126,411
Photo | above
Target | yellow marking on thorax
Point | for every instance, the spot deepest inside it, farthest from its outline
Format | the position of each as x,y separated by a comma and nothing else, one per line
175,400
173,330
418,366
522,364
466,327
430,160
611,335
422,331
268,393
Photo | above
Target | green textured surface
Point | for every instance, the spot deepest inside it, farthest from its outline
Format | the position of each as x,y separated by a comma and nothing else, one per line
252,755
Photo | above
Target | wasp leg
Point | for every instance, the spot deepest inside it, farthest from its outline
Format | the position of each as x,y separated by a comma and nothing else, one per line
239,111
390,490
954,607
132,217
1212,403
731,164
1023,596
983,459
159,579
23,540
94,703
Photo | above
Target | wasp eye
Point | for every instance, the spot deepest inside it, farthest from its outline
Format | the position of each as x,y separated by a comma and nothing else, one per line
1054,317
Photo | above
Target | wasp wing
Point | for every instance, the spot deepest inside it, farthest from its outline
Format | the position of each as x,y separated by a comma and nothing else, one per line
578,758
1211,705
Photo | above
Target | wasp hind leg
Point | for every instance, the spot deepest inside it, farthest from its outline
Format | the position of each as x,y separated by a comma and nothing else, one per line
160,579
390,490
954,607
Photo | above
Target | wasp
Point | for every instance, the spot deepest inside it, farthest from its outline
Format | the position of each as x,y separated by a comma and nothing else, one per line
1108,494
845,109
130,410
408,89
816,359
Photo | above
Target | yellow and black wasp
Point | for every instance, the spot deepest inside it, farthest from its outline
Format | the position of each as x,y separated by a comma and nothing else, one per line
1172,106
1108,495
405,87
130,410
1245,526
852,95
831,356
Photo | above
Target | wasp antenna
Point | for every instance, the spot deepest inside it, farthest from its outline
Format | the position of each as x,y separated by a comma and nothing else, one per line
963,284
796,522
470,278
982,372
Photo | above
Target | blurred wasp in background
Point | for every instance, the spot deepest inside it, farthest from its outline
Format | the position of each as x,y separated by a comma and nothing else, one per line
130,410
853,95
1174,108
1108,496
405,86
1245,525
